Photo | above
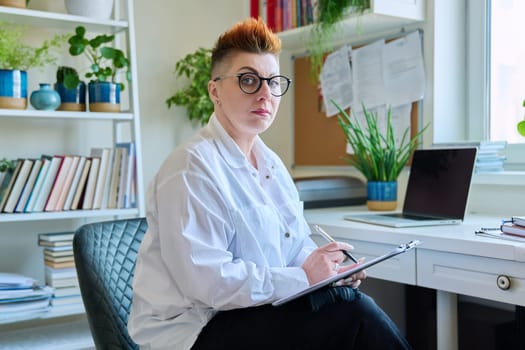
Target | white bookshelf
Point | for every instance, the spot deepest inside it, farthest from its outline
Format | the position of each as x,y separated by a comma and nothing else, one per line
30,133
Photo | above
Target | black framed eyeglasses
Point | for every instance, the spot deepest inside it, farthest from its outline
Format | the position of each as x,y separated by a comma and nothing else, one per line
250,83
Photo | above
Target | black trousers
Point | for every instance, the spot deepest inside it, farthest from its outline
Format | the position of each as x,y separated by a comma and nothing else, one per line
341,324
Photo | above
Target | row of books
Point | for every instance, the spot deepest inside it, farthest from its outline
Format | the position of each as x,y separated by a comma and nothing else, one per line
103,180
281,15
59,264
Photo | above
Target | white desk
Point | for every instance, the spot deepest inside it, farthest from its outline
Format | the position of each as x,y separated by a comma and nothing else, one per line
452,260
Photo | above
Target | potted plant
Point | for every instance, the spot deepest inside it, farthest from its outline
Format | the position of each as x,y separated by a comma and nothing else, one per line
72,99
196,67
106,62
330,13
377,155
16,58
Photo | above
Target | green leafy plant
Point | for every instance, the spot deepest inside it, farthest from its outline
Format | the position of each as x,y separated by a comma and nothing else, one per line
16,55
64,73
521,124
330,13
195,66
105,60
376,155
6,164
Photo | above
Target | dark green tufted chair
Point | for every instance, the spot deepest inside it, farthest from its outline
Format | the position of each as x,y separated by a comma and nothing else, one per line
105,255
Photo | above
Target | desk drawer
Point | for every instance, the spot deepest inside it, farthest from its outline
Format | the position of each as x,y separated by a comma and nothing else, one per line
471,275
400,268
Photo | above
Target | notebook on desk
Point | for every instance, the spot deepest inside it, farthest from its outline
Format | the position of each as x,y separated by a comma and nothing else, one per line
437,190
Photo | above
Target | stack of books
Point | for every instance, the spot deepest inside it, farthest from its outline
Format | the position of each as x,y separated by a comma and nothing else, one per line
514,227
60,271
21,297
490,157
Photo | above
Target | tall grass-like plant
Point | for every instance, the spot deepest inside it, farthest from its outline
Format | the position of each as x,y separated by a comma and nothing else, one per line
376,155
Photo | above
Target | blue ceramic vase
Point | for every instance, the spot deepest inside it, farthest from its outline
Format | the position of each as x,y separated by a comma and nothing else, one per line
45,98
13,89
381,195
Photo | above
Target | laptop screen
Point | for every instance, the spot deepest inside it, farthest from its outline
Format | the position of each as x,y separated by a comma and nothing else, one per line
439,182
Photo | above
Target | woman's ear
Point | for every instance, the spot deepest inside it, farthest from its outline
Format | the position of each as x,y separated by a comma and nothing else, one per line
212,91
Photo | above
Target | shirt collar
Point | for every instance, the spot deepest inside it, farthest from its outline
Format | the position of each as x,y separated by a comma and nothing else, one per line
230,150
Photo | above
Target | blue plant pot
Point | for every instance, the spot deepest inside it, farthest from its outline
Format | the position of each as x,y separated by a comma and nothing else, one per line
45,98
13,89
104,97
72,99
381,195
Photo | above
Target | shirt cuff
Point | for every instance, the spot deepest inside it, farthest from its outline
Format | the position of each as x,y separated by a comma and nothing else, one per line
288,281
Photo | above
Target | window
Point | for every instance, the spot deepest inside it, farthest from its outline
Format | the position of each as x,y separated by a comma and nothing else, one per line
497,76
507,68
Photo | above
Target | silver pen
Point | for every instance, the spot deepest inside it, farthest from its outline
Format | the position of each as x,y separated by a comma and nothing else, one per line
330,239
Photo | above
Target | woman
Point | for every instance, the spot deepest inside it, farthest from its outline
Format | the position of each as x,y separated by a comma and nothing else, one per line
227,237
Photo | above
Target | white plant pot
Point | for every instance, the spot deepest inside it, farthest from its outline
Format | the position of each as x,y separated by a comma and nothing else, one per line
99,9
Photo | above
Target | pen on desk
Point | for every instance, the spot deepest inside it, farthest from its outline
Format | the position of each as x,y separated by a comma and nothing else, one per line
330,239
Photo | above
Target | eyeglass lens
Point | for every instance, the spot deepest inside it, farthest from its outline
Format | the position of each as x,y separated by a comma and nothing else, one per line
250,83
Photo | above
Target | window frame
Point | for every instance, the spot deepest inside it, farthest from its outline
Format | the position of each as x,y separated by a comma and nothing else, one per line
478,81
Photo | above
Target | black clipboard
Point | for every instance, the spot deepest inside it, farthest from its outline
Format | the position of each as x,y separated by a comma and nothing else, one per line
400,249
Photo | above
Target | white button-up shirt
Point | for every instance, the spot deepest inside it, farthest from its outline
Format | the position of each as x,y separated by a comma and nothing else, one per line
221,235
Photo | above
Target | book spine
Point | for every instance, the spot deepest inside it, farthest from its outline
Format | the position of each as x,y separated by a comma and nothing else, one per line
254,8
18,185
7,185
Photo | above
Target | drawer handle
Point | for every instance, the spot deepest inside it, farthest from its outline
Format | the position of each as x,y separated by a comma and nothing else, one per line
503,282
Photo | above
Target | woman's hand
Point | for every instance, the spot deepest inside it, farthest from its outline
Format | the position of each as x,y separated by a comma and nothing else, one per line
354,280
325,262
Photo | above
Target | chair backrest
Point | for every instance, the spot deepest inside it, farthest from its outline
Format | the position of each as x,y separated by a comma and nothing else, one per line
105,256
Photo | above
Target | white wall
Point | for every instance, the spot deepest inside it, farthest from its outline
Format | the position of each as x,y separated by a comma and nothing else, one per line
166,31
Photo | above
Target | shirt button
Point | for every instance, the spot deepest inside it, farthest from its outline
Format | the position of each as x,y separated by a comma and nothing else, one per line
267,177
287,235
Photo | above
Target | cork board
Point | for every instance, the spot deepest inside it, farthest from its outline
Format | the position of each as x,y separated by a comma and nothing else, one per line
318,140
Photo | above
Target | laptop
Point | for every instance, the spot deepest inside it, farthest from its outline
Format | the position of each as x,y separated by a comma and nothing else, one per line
437,190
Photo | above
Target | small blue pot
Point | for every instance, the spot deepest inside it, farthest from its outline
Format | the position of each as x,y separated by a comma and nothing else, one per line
13,89
381,195
72,99
45,98
104,97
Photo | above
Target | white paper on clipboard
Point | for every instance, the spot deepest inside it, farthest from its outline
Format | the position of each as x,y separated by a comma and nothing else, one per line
400,249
